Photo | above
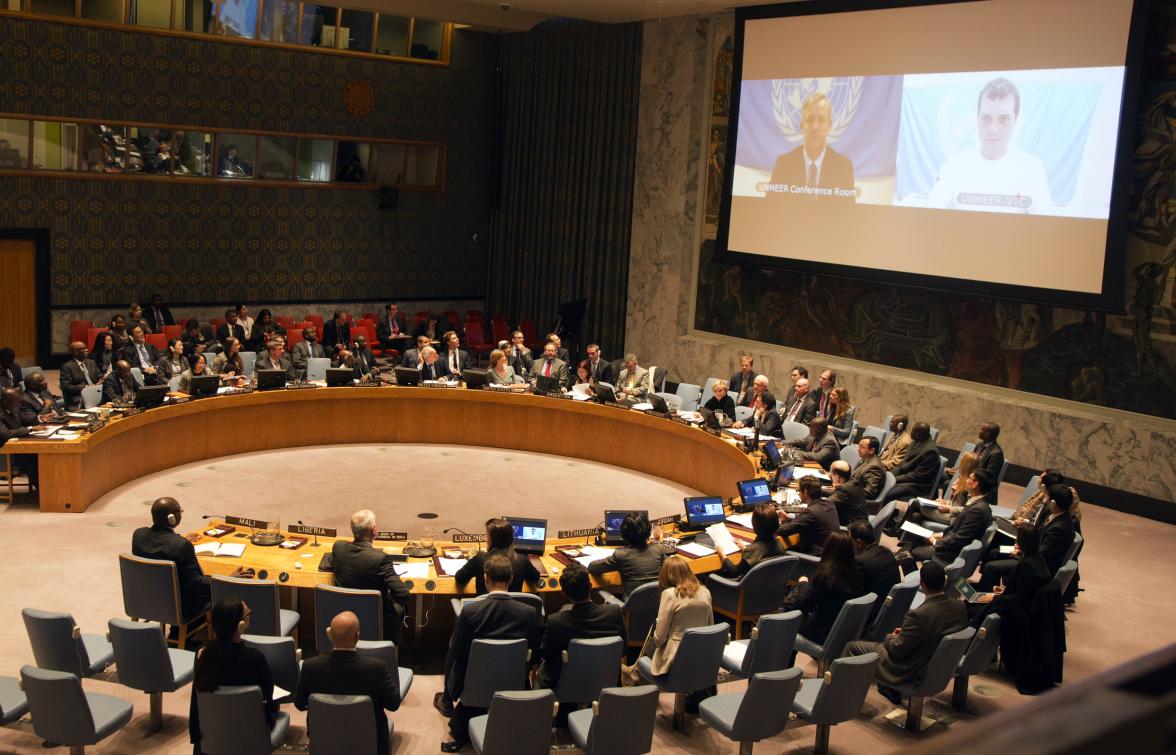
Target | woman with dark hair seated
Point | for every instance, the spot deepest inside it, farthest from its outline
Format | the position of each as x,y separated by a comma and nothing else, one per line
499,539
638,561
765,521
1029,575
195,342
173,363
227,662
836,580
104,353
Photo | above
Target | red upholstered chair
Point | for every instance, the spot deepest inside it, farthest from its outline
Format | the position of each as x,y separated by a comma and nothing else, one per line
285,322
373,316
293,336
476,339
216,322
158,340
171,332
300,326
476,314
421,316
317,320
530,334
499,329
91,334
78,330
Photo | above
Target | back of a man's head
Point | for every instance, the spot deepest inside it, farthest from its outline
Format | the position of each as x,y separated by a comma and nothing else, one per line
161,508
343,631
841,469
498,573
361,524
933,577
862,533
575,583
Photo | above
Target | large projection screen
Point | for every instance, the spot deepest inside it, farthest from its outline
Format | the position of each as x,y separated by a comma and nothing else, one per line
968,146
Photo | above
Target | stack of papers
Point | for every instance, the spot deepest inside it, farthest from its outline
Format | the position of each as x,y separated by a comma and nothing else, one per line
799,473
585,560
644,406
695,549
412,570
742,432
722,538
743,520
231,550
915,529
450,566
595,551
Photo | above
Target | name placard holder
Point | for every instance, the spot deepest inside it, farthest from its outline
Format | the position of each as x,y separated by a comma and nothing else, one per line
244,521
672,518
587,532
306,529
459,538
392,537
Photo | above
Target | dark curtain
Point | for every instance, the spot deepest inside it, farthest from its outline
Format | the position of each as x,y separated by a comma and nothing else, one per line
568,96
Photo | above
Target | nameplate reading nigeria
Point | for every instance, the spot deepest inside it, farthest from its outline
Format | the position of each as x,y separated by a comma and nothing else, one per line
306,529
244,521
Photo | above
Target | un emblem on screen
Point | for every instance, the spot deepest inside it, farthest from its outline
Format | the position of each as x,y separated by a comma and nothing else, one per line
788,96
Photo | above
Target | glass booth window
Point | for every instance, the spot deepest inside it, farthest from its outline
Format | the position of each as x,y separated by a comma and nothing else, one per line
236,155
351,162
192,153
387,165
427,38
103,10
279,21
392,35
105,149
14,143
51,7
314,159
153,13
55,145
197,16
152,145
318,25
421,168
238,18
355,30
276,157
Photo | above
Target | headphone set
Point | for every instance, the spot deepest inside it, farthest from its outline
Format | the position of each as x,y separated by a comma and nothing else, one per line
172,519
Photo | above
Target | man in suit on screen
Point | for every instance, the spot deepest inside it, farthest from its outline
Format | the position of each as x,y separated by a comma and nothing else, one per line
814,165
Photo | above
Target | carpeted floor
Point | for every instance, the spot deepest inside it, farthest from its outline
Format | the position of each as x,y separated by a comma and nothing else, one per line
67,562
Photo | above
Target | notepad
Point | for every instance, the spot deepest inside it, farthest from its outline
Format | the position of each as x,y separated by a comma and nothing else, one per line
696,549
915,529
451,566
230,550
799,473
722,538
642,407
1006,549
595,551
743,520
585,560
412,570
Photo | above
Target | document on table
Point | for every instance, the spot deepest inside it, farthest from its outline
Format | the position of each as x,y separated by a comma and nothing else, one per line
644,406
742,432
915,529
580,396
585,560
799,473
722,538
596,552
450,566
231,550
927,502
698,550
743,520
412,569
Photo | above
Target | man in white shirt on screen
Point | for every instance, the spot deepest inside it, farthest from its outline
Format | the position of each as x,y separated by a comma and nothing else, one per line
994,178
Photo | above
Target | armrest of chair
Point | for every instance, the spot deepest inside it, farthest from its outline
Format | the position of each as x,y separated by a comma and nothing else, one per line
610,599
724,592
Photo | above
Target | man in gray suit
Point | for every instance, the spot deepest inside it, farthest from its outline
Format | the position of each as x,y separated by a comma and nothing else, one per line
819,445
275,359
633,384
869,473
906,653
550,366
76,374
309,348
412,357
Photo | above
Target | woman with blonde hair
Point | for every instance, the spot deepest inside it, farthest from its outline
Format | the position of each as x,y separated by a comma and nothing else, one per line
842,415
500,372
957,496
685,604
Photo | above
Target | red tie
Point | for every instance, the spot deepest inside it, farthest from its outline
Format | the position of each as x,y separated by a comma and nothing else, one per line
547,369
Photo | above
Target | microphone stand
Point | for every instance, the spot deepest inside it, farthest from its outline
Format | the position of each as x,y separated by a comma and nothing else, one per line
315,544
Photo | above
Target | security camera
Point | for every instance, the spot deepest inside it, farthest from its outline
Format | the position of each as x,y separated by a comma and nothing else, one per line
504,6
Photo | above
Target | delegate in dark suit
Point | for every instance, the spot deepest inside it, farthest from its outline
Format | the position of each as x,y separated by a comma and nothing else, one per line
849,498
836,172
163,544
969,525
823,450
905,656
33,406
384,331
336,335
115,387
225,331
737,384
636,566
142,355
522,570
990,457
462,359
434,371
802,410
345,672
359,566
871,475
73,380
601,371
913,477
575,622
879,571
768,422
303,351
814,525
11,376
1057,535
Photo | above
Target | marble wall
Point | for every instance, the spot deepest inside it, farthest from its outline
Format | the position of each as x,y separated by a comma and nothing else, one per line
1129,452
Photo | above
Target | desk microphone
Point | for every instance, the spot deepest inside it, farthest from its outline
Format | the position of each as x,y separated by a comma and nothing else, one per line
214,516
316,542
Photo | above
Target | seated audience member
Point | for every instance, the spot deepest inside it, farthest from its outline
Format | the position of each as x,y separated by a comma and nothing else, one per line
495,617
841,414
275,359
103,354
173,363
969,525
519,355
1056,535
230,328
158,314
263,335
803,407
264,328
118,331
499,541
1036,507
342,671
336,332
869,473
1029,574
915,475
581,619
989,455
359,358
721,403
583,373
244,320
139,353
819,445
953,505
430,328
849,498
815,523
412,357
906,653
835,581
500,372
12,428
795,374
226,661
11,375
824,394
195,341
560,352
634,383
741,382
390,330
228,364
550,366
432,368
599,370
199,368
639,560
764,417
765,522
76,374
305,350
120,384
37,404
895,449
135,318
456,358
877,565
359,566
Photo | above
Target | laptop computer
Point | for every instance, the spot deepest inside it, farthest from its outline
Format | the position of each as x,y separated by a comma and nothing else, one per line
603,394
407,375
204,385
970,594
703,511
474,377
150,395
709,418
754,492
268,380
772,452
547,384
340,376
530,535
659,404
612,524
1005,527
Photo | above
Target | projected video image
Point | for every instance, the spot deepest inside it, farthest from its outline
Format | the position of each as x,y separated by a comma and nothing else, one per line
522,532
1036,142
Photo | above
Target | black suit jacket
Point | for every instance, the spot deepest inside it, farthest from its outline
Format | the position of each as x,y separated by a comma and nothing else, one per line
990,458
163,544
73,380
735,384
223,332
335,334
384,330
871,475
345,672
463,358
12,377
768,423
604,372
11,427
575,622
814,525
850,500
836,172
157,322
905,656
969,525
130,352
920,465
1057,535
435,371
113,387
522,570
879,571
359,566
495,617
32,405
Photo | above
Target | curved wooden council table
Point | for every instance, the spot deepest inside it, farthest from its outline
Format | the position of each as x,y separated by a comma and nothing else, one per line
74,474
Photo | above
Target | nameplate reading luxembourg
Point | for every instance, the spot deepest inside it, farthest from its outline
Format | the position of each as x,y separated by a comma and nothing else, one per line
244,521
588,532
306,529
469,538
391,537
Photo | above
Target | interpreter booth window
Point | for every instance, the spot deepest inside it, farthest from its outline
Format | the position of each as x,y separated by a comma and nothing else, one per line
192,151
387,165
355,30
351,162
236,155
276,157
105,149
55,145
237,18
13,5
314,159
319,23
279,21
427,38
421,168
156,14
51,7
153,146
110,11
197,16
14,143
392,35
